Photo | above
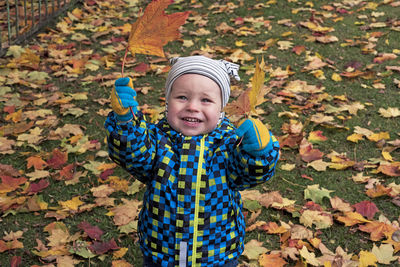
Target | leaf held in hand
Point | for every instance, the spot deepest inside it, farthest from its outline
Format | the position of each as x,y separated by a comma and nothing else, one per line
155,29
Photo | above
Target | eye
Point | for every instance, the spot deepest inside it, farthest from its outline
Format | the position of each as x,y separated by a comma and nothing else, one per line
181,97
207,100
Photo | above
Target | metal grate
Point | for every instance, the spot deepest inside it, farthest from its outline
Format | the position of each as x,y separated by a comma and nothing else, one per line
21,19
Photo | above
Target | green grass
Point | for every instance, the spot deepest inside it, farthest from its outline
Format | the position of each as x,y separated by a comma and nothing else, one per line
349,27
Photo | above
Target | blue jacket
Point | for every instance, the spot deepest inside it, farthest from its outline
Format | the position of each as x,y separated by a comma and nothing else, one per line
192,208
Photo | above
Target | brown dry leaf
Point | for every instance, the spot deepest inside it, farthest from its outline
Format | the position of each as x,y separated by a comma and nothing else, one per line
308,153
126,212
341,205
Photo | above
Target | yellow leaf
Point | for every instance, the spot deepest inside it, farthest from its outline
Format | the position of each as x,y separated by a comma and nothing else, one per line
256,84
386,155
309,257
379,136
355,137
367,259
240,43
72,204
336,77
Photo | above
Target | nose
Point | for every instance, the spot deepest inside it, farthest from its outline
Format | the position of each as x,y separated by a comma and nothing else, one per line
193,106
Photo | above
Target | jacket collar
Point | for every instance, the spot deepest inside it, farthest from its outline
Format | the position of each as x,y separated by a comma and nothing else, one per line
219,132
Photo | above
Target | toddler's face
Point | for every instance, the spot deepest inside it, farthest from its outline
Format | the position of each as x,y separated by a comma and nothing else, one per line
194,105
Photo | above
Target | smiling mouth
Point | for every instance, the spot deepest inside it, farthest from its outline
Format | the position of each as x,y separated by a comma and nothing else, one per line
191,119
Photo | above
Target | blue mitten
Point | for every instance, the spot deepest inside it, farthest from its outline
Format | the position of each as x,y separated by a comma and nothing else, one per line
255,136
123,99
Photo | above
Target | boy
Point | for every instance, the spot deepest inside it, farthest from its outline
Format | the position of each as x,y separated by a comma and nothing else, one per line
193,162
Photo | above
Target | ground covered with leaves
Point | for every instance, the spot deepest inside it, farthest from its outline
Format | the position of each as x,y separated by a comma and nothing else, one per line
331,95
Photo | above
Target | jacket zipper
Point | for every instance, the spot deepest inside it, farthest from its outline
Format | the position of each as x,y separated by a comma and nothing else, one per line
197,200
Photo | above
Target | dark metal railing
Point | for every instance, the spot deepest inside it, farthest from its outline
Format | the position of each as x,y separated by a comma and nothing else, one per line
21,19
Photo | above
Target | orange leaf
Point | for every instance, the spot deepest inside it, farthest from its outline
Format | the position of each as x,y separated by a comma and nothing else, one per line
240,106
37,162
390,169
155,29
377,229
352,218
271,260
9,184
273,228
378,191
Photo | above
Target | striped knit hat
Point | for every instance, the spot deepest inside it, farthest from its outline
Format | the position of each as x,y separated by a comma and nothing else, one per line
219,71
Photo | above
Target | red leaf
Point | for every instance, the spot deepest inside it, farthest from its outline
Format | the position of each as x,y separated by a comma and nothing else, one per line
103,247
67,173
93,232
39,186
366,208
104,175
57,159
142,67
9,184
15,261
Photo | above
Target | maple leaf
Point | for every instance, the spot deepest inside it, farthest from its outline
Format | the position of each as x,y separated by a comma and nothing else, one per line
272,259
126,212
37,162
253,249
316,194
58,158
9,184
321,220
352,218
247,101
71,204
309,256
308,153
367,259
121,263
377,229
384,253
39,186
341,205
103,247
93,232
366,208
154,29
390,169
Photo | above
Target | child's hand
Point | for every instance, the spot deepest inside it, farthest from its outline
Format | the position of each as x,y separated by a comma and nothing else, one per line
123,98
255,136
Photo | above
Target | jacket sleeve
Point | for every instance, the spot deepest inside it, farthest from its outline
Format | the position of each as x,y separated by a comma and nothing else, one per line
246,171
132,145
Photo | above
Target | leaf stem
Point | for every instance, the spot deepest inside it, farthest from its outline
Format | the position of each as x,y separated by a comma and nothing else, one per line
123,61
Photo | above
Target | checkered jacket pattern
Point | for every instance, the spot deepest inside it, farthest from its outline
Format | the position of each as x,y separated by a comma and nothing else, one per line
192,208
